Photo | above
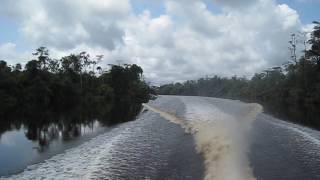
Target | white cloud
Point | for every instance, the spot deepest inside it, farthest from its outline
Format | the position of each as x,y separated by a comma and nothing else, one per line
9,53
186,42
7,49
238,41
65,24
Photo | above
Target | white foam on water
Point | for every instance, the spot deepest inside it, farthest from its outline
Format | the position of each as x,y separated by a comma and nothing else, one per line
76,163
220,137
302,132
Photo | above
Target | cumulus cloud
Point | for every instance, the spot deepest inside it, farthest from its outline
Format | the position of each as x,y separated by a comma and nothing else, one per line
9,53
187,41
64,24
199,43
7,49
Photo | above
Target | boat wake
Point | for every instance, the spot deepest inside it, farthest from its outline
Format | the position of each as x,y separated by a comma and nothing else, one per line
144,148
219,136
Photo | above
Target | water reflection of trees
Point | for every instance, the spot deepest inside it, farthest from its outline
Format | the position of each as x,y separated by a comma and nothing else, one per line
46,127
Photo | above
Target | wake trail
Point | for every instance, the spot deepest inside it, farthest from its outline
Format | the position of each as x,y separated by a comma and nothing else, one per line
221,138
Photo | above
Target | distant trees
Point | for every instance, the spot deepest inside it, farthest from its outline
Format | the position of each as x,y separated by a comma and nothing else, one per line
43,57
47,84
291,92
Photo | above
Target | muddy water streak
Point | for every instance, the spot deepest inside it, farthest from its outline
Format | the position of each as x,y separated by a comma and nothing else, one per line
220,137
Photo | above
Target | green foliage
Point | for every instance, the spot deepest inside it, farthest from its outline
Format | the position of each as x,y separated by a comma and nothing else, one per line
48,84
290,92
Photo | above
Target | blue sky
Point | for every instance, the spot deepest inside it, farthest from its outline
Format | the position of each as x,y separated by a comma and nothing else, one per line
309,10
10,32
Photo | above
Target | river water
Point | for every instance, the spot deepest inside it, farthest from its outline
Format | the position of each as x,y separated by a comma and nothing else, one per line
189,138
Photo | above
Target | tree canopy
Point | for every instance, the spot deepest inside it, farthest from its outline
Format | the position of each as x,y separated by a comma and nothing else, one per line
72,81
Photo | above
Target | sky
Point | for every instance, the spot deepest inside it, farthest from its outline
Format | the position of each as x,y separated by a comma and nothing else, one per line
172,40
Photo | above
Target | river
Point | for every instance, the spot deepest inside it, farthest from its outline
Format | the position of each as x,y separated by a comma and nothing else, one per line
188,138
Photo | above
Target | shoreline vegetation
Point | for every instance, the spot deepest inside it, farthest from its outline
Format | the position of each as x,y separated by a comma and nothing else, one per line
290,92
64,93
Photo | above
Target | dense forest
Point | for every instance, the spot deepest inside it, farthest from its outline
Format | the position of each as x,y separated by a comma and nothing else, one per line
291,91
49,96
73,82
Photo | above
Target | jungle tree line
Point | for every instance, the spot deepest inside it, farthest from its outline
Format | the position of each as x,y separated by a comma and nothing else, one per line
76,80
291,91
